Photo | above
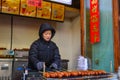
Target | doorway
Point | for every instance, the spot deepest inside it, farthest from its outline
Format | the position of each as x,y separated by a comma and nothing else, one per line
116,32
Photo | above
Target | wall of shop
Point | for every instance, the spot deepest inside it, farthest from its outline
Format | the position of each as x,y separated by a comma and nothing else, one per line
102,53
25,31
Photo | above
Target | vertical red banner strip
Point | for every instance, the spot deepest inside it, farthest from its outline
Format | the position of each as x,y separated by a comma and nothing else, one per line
94,21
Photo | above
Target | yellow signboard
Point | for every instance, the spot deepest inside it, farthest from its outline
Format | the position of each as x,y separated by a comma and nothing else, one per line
10,6
57,12
44,11
27,10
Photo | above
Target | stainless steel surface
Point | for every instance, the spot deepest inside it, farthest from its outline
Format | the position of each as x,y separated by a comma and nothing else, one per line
19,59
5,60
18,68
38,76
21,54
6,69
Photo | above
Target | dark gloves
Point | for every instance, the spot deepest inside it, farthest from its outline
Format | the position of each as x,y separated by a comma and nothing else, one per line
40,65
53,66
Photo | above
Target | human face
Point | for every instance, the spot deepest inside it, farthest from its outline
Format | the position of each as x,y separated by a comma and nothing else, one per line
47,35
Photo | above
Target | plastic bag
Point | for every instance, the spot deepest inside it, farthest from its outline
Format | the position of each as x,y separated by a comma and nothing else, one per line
82,63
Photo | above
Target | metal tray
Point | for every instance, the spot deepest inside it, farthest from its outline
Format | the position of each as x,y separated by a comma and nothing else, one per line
38,76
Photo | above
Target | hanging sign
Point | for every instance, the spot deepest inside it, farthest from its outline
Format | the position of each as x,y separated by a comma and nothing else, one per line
36,3
94,21
26,10
10,6
45,11
58,12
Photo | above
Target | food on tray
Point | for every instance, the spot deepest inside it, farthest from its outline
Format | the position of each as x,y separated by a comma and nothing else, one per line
60,74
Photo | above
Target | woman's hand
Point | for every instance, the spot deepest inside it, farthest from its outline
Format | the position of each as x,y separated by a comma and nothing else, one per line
40,65
53,66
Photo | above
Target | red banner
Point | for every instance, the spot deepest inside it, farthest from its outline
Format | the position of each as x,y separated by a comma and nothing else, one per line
36,3
94,21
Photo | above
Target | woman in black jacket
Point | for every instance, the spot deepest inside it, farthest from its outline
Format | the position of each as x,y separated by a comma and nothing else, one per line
44,50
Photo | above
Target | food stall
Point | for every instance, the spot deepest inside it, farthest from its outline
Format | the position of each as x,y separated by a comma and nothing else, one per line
41,13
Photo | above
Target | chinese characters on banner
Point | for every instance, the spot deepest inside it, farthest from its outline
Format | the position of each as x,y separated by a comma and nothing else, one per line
94,21
36,3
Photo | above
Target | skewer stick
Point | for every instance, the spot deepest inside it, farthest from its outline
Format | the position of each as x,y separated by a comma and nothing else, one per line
111,66
43,68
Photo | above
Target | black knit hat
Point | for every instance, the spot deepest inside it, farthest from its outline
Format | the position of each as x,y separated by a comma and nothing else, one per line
44,27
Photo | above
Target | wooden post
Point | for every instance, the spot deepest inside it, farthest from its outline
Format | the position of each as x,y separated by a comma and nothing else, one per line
116,33
82,27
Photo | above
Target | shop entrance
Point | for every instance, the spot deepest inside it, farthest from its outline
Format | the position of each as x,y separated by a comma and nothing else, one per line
116,33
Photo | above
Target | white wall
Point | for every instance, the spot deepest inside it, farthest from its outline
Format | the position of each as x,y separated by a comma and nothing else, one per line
76,42
5,31
25,31
68,40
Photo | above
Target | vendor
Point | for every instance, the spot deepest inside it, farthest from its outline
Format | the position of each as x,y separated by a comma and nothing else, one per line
44,50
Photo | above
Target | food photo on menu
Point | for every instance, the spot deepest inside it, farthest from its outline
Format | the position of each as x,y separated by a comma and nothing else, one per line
44,11
10,6
27,10
57,12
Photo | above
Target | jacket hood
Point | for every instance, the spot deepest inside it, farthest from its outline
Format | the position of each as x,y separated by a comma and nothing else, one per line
44,27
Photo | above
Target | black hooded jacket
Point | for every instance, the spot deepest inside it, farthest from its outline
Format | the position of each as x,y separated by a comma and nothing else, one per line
43,51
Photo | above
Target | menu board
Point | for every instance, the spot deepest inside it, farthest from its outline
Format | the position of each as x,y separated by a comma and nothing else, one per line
47,10
57,12
27,10
44,11
10,6
0,5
